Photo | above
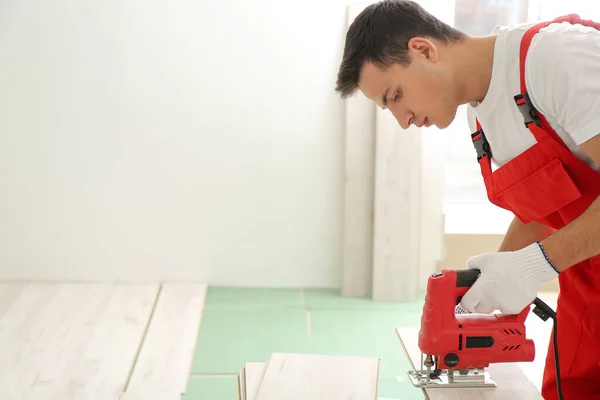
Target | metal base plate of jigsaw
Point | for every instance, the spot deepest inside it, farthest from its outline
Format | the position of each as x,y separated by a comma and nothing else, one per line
470,378
476,378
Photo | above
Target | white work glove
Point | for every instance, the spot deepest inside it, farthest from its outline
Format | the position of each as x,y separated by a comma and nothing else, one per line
509,281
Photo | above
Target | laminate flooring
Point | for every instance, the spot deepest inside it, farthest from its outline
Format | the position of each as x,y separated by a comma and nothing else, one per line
97,341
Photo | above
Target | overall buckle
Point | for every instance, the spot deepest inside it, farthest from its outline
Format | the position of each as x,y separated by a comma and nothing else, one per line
527,109
481,144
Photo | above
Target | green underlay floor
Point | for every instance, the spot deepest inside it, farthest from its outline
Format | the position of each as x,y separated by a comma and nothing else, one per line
246,324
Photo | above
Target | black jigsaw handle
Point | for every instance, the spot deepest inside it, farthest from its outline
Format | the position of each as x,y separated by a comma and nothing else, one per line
466,277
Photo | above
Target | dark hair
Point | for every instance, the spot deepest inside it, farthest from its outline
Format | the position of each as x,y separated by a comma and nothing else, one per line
380,34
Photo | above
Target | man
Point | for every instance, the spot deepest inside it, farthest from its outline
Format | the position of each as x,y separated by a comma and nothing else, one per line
533,93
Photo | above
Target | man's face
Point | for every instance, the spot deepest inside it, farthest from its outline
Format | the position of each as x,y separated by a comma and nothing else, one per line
420,94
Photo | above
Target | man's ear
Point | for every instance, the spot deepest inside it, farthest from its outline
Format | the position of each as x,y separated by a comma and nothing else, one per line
421,47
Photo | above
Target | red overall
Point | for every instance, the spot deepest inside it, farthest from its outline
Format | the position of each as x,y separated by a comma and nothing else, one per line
547,183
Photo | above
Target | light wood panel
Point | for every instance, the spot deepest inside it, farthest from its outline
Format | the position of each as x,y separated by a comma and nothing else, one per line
251,377
70,341
431,201
397,211
20,330
254,375
357,255
163,366
512,382
319,377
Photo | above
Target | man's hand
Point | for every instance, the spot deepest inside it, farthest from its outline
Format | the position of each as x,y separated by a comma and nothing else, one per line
509,281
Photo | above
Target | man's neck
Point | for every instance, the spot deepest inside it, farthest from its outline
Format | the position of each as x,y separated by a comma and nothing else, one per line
472,61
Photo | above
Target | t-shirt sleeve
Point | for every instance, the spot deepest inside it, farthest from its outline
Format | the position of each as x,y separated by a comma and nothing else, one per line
563,79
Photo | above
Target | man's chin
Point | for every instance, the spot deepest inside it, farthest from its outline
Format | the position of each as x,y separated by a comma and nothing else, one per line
444,124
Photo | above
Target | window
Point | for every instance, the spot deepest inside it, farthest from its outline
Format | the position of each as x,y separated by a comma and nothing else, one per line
466,203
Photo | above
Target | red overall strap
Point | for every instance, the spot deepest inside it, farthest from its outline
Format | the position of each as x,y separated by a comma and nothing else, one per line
542,128
535,122
526,41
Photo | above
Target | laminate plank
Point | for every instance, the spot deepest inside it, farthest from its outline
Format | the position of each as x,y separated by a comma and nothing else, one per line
163,366
73,340
103,370
359,177
397,208
251,378
73,321
19,328
254,373
319,377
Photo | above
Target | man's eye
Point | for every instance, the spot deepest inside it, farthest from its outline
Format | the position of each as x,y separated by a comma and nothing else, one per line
396,96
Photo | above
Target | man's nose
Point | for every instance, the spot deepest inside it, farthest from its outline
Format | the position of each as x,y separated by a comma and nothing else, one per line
403,117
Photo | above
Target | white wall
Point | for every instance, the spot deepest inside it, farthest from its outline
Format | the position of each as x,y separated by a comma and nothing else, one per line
144,140
555,8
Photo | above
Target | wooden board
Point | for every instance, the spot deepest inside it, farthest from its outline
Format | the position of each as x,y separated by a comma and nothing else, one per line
512,382
397,209
250,379
241,381
70,341
359,140
431,202
319,377
254,373
163,365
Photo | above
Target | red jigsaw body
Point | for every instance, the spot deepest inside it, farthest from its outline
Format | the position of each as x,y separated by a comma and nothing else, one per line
463,341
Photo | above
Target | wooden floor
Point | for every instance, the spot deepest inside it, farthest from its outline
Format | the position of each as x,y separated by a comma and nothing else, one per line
97,341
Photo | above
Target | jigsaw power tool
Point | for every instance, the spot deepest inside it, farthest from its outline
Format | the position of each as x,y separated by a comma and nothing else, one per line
457,347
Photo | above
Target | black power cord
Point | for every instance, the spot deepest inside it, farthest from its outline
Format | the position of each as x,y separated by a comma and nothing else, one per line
543,311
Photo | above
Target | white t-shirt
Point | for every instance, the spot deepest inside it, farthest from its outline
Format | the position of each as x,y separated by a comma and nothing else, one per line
562,74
